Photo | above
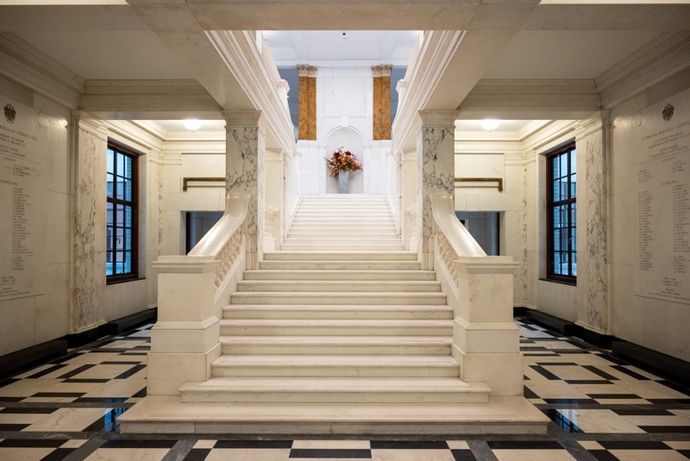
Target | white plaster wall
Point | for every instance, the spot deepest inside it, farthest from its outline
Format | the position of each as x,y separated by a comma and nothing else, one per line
344,99
659,325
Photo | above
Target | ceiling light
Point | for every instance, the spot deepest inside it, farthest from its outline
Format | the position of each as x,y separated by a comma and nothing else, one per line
490,124
192,124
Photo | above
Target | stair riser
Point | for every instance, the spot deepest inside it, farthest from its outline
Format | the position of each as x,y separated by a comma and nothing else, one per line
341,247
347,265
341,275
345,298
350,239
364,256
283,349
227,396
341,314
338,286
334,371
335,330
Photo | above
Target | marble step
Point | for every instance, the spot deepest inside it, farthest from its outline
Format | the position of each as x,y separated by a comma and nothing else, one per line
344,274
360,220
396,286
336,233
337,256
354,209
332,389
340,265
317,311
338,327
500,415
335,365
343,237
330,345
344,229
334,297
316,246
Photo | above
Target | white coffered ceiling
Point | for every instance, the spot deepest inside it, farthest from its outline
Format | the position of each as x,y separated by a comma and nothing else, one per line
342,48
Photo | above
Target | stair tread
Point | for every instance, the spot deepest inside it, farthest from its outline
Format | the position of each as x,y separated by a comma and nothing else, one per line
337,384
338,340
340,307
338,322
343,271
336,360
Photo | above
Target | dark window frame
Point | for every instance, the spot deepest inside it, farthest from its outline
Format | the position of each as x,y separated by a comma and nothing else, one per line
570,202
133,274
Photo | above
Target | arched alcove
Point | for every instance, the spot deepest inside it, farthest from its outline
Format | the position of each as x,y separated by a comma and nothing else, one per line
350,140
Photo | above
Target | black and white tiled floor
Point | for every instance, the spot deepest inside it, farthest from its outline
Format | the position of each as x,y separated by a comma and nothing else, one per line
602,409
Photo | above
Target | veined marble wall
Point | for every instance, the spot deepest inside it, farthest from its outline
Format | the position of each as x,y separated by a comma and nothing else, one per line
344,100
648,193
35,197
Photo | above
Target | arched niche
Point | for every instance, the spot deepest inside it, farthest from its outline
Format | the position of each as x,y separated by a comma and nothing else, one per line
351,140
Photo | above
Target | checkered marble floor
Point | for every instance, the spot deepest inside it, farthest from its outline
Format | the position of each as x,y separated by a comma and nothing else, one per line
601,408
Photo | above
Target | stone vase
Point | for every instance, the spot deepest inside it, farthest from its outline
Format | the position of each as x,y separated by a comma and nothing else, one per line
343,181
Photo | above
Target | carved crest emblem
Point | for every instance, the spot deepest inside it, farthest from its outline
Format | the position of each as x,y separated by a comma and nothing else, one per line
667,113
10,113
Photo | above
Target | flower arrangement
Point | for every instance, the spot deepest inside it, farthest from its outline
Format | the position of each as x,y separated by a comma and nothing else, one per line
342,160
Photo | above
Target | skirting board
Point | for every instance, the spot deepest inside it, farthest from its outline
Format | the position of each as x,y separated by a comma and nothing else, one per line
655,362
23,359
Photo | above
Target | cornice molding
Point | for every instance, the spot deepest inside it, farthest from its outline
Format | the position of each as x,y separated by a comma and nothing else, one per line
239,51
422,77
34,69
664,56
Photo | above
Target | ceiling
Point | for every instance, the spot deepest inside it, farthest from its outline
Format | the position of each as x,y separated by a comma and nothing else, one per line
342,48
178,125
565,54
109,54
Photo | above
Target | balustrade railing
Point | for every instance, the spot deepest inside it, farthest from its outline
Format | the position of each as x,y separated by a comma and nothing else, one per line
192,291
480,291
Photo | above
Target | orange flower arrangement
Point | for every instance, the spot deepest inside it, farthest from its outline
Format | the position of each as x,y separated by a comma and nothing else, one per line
342,160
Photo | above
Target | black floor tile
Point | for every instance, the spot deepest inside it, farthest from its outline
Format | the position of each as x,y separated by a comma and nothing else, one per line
525,445
409,444
666,429
197,454
253,444
330,453
139,443
463,455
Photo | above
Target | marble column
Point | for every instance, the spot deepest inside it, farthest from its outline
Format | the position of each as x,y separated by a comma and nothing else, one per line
436,173
382,101
244,172
591,141
307,102
87,162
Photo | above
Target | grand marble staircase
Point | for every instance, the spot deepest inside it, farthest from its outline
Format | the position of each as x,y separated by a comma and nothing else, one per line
340,331
342,315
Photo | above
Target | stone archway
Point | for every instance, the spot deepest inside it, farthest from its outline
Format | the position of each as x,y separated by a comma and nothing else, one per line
350,139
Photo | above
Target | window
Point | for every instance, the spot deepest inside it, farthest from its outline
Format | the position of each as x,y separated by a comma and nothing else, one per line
561,215
121,214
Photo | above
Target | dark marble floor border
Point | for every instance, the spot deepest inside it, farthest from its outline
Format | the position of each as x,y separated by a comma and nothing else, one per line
650,360
24,359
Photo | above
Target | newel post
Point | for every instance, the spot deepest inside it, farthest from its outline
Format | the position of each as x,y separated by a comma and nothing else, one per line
185,340
486,339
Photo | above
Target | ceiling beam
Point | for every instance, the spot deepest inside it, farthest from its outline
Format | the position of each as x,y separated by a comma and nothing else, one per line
486,36
148,100
179,30
518,99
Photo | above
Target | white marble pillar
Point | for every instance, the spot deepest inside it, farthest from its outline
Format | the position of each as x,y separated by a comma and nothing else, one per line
436,173
244,172
88,176
591,142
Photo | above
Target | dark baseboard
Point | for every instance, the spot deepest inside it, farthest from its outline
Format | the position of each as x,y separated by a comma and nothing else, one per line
24,359
15,362
656,362
662,364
